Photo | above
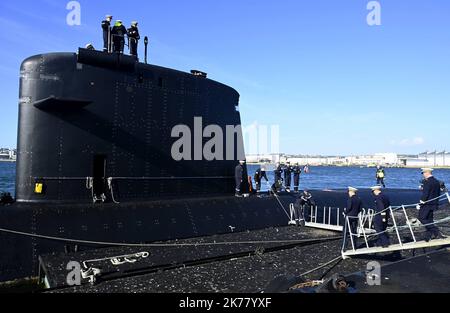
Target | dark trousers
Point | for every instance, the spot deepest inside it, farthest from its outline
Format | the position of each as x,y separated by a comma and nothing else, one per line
133,47
380,181
105,41
306,212
296,181
258,185
119,44
426,216
287,181
238,182
354,230
380,227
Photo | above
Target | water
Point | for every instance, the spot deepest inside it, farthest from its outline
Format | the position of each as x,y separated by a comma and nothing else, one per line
320,178
7,177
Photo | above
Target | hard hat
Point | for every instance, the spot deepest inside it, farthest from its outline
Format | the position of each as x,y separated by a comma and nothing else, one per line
352,189
427,170
89,46
109,16
134,23
242,161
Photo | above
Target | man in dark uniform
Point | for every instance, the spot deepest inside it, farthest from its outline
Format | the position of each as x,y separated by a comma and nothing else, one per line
287,176
133,37
380,220
106,26
429,203
278,180
307,203
118,33
380,175
239,177
297,170
354,207
259,175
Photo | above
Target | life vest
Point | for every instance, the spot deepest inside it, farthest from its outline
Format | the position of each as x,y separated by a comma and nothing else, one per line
380,174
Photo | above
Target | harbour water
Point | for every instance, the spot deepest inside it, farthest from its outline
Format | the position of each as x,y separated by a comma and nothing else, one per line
7,176
318,178
321,178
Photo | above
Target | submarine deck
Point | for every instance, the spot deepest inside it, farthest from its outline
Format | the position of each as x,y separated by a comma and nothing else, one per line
248,268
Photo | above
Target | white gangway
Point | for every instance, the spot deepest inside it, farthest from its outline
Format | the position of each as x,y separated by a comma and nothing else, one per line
404,225
329,218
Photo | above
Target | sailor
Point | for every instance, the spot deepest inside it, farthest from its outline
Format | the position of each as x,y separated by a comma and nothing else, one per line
380,175
278,180
307,203
133,38
259,175
287,176
297,170
106,26
239,176
354,207
429,202
118,33
380,220
89,46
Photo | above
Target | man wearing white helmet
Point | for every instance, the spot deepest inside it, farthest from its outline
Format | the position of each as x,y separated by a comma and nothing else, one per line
380,221
354,207
133,38
106,26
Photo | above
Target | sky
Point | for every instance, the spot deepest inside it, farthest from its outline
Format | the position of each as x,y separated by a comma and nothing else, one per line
333,84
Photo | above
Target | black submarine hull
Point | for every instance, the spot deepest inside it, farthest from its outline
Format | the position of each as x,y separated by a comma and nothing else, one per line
95,160
145,222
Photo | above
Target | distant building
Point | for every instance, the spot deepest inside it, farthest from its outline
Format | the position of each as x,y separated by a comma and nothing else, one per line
428,159
8,154
263,158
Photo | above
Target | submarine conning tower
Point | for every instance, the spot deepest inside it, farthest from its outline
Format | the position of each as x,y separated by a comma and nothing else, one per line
97,126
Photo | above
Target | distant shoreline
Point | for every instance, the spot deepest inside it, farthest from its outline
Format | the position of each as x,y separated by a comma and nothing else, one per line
8,161
360,166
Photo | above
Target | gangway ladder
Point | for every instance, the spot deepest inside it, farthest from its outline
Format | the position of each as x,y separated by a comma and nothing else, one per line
401,245
324,223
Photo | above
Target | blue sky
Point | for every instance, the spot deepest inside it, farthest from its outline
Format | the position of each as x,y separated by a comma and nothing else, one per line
334,84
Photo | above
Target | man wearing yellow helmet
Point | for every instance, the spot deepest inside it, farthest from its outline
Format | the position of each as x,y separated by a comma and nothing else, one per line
118,33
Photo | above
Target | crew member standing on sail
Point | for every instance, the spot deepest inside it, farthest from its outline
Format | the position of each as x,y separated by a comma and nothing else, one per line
380,221
380,175
118,33
429,203
106,26
133,37
259,175
297,170
238,176
354,207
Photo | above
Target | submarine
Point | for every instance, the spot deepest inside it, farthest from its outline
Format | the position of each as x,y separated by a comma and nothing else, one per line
95,164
